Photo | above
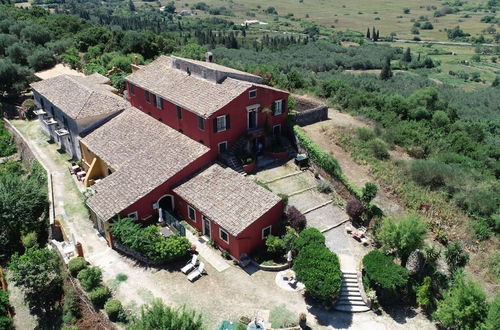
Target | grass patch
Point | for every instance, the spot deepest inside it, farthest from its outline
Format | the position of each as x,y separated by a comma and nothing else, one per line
121,277
281,317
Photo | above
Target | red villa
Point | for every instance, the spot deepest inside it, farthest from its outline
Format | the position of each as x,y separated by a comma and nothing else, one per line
155,161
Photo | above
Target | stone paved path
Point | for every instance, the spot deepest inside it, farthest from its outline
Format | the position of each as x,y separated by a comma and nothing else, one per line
207,253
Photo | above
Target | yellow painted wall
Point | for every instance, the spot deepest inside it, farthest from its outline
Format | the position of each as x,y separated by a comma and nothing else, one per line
99,169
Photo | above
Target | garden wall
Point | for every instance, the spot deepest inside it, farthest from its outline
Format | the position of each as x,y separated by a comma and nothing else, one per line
311,116
135,254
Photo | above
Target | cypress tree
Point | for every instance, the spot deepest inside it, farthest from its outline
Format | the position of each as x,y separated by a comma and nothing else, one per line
386,72
131,5
368,33
407,55
378,35
374,34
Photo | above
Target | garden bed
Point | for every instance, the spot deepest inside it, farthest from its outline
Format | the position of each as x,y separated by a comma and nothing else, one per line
270,263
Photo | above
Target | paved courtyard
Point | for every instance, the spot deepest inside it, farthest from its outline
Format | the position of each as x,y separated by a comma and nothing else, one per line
220,295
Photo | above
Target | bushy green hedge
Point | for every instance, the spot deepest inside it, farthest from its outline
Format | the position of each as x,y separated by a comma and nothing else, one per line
309,236
149,241
114,309
99,296
382,272
324,160
77,264
319,269
90,278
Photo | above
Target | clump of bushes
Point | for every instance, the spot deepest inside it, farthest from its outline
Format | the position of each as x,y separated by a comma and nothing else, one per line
90,278
70,308
354,209
99,295
5,321
381,272
378,148
77,264
114,309
149,241
317,267
295,218
324,187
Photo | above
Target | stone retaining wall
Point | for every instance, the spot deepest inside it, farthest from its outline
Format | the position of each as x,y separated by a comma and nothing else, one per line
135,254
311,116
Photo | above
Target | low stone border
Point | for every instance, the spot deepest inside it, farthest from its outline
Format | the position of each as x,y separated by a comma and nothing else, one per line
366,300
270,268
300,191
283,177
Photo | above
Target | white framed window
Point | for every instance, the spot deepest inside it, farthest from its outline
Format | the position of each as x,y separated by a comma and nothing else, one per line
222,146
221,123
159,102
191,213
252,94
278,107
223,235
134,215
266,231
147,96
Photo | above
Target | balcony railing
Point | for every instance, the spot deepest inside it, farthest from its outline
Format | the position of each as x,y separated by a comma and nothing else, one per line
50,121
62,132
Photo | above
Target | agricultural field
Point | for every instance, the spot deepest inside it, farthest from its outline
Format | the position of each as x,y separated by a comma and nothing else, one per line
389,16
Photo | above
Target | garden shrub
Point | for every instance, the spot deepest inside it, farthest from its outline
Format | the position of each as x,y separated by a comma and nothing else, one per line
99,295
382,272
378,148
369,192
90,278
114,309
295,218
354,209
456,257
274,245
70,307
149,241
29,240
481,228
289,239
319,269
424,293
324,187
365,134
464,305
5,323
430,173
309,236
75,265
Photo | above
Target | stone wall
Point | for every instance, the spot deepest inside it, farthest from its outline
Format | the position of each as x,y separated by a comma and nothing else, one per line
311,116
135,254
27,155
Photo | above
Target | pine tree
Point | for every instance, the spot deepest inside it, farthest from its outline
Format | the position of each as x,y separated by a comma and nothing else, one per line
368,33
407,55
131,5
386,72
374,34
378,35
418,58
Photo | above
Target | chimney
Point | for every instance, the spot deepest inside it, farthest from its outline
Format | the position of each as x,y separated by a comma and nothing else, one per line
135,65
209,57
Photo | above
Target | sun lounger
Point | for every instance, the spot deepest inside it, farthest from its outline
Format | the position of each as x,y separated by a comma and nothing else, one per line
348,227
190,265
197,273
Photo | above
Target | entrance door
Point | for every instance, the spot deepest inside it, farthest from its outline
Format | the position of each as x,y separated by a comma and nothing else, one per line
206,227
167,203
252,119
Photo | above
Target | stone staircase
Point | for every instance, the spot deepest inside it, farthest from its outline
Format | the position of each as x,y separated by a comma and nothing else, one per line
350,297
230,159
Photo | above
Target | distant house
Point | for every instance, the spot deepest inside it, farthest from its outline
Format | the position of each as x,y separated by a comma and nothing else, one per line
72,106
212,104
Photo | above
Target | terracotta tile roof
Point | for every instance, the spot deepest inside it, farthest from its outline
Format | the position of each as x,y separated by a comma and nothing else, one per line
202,96
144,153
227,198
81,97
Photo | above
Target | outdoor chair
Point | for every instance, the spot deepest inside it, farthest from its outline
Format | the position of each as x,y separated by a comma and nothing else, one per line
348,228
190,265
197,273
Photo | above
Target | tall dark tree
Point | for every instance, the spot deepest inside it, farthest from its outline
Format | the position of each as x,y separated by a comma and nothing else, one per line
378,35
386,72
407,55
374,34
368,33
131,5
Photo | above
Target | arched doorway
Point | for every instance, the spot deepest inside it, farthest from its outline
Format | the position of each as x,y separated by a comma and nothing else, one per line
166,202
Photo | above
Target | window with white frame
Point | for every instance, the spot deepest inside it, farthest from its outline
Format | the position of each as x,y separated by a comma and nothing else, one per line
147,96
221,123
223,235
159,102
191,213
266,231
278,107
201,123
252,94
134,215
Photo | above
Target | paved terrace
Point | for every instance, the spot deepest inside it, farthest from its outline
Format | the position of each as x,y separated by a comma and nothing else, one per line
225,295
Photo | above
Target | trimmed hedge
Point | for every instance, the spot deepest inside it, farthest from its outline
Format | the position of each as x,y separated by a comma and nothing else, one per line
309,236
382,272
319,269
99,296
113,308
77,264
325,160
90,278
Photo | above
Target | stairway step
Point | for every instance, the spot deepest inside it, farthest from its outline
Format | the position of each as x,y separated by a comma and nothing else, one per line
352,309
350,298
349,290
